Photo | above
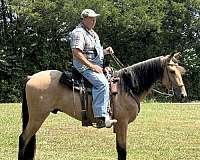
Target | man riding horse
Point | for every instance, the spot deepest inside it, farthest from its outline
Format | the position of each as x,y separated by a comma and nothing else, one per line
88,55
44,94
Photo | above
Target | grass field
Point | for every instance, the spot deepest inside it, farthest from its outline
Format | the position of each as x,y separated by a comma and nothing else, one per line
161,132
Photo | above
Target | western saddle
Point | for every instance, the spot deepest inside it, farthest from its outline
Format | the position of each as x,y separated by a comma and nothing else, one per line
78,83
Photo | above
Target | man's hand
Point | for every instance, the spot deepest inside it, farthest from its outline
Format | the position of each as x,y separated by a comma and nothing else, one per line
107,69
108,50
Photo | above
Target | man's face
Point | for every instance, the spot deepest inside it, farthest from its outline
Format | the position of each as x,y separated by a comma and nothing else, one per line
89,22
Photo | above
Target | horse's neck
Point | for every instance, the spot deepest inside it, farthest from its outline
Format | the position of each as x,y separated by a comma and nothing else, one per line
140,77
152,74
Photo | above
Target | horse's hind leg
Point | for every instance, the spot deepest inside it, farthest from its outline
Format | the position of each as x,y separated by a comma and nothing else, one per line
26,147
27,140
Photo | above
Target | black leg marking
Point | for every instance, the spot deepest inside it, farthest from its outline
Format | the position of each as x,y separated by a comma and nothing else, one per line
121,152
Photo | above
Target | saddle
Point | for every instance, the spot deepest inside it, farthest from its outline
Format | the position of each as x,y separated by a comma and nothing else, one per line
77,82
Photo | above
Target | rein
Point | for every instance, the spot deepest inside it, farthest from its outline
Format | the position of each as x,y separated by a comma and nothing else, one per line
164,93
117,61
120,65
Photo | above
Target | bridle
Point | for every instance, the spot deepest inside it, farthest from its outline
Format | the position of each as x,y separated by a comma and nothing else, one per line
172,82
171,92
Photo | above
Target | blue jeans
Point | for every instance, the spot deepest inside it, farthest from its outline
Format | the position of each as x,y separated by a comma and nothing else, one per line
100,92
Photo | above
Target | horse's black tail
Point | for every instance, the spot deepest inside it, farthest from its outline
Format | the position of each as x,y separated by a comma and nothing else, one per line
25,115
26,152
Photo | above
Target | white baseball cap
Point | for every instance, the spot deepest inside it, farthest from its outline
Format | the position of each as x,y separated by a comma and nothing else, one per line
89,13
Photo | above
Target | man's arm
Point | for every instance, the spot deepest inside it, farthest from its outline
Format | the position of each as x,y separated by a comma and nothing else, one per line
79,55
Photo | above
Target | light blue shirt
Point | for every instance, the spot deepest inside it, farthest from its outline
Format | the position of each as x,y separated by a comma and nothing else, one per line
87,41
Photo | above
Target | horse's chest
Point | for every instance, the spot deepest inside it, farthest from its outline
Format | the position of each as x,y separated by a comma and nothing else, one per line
132,112
132,116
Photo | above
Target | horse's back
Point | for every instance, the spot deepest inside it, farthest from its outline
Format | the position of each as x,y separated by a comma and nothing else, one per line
44,93
43,87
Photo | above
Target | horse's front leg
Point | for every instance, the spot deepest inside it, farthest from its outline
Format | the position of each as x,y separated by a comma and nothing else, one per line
121,137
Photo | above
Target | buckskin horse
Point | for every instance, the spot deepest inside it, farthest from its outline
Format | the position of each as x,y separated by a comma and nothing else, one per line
43,94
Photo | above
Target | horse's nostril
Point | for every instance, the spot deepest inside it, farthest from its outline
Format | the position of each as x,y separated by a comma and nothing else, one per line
183,95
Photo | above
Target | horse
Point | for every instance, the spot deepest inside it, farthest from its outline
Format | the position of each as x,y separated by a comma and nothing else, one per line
44,94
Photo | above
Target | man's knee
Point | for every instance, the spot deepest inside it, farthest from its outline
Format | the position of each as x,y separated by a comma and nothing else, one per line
104,83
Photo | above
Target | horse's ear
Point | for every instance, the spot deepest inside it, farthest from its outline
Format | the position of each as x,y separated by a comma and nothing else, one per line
177,55
172,54
169,57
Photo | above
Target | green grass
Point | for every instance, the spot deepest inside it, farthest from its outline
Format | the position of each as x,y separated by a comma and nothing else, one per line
161,132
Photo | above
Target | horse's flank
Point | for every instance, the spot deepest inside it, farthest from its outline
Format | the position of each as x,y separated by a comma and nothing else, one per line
52,95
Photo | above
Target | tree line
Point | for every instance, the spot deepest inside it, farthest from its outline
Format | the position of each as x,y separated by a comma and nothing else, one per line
33,36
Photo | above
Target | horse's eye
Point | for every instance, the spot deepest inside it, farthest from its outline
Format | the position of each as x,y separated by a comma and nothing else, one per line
172,71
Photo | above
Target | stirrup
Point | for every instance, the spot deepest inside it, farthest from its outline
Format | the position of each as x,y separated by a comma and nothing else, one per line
109,122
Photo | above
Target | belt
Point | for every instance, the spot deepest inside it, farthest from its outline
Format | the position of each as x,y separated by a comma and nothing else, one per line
90,52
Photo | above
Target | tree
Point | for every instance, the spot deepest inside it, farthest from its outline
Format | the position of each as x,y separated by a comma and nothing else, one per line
33,35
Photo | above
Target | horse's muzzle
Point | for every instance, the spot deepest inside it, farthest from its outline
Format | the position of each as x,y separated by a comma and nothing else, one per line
183,95
180,91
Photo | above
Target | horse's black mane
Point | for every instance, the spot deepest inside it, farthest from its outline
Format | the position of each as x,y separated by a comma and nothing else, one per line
141,76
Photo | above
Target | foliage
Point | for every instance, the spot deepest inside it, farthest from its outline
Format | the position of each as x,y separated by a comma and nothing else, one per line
33,35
